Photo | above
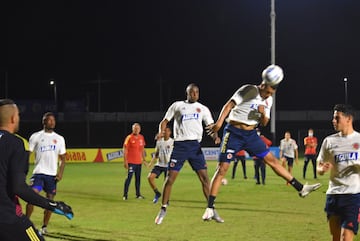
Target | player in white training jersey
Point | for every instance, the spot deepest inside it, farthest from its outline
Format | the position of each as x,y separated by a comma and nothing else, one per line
189,116
50,152
163,149
247,108
288,152
340,154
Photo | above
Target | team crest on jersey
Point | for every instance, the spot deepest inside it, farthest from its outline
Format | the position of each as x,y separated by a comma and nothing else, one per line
54,141
356,146
350,225
229,156
198,110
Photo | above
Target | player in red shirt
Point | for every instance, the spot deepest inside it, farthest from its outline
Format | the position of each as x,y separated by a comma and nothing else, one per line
134,156
310,143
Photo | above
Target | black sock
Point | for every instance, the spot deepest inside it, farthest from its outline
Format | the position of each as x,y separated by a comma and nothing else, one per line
296,184
211,201
156,191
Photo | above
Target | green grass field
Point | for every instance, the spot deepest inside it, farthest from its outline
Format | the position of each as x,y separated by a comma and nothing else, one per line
251,212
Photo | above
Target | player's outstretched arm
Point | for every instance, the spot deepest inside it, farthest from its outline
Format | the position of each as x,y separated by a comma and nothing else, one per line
212,134
26,193
229,105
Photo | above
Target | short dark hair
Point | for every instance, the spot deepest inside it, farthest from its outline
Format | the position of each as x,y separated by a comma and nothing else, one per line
46,115
346,109
6,102
272,86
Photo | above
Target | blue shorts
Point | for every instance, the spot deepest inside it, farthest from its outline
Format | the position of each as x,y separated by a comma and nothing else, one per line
190,151
346,206
157,170
235,139
290,161
44,182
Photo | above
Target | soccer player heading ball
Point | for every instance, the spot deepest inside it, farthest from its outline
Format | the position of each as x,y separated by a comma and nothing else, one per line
247,108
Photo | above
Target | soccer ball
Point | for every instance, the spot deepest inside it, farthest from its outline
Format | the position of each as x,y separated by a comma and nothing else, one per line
224,181
272,75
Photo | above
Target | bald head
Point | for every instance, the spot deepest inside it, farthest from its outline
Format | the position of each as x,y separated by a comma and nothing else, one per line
9,115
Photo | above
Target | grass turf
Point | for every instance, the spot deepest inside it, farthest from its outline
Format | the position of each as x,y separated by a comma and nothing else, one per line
252,212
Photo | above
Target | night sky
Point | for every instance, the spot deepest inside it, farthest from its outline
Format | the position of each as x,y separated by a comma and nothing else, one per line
146,52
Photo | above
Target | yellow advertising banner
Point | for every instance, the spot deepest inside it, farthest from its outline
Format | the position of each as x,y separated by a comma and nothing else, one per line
78,155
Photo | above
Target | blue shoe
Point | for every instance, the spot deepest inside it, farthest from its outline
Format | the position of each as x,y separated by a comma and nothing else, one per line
156,198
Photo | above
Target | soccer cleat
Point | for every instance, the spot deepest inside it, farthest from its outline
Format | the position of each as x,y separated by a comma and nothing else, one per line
308,189
124,198
160,217
140,197
43,230
156,198
217,217
208,214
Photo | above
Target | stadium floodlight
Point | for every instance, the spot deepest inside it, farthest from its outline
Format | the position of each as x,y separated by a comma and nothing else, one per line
53,84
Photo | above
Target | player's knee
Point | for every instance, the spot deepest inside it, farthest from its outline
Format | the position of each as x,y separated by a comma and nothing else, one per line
169,181
272,161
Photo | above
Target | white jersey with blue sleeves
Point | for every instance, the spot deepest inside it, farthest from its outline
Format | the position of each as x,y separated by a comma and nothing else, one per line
188,119
343,153
247,99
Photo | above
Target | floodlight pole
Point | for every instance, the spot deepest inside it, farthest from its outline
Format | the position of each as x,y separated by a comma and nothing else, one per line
53,84
273,109
6,84
346,91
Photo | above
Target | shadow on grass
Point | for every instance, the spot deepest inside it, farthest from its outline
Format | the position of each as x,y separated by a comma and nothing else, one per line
125,236
69,237
184,205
